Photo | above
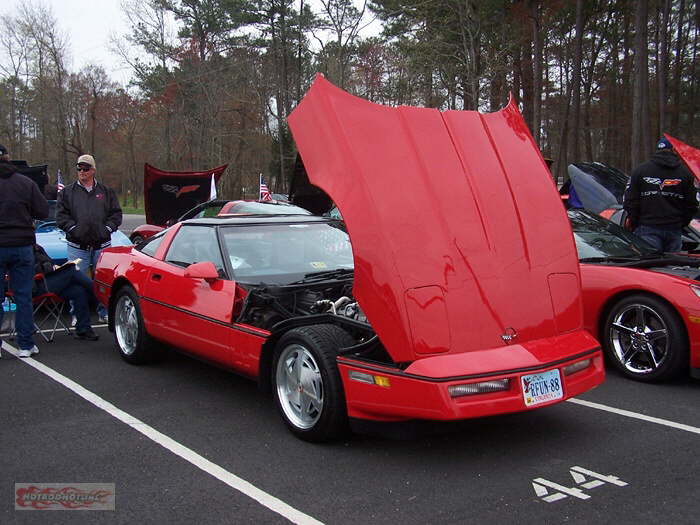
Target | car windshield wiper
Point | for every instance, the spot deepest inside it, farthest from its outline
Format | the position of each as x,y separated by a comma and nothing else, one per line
328,274
645,261
619,259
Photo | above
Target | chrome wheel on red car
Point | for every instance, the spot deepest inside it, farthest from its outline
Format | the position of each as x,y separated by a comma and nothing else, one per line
308,390
125,324
645,338
130,337
299,386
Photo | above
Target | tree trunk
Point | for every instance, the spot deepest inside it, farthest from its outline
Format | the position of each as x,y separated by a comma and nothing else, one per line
662,68
677,69
536,71
576,84
640,109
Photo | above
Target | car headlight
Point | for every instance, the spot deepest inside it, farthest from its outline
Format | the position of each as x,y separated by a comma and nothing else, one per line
580,365
485,387
696,289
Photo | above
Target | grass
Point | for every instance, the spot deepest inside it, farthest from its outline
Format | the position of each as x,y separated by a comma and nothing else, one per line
132,210
127,205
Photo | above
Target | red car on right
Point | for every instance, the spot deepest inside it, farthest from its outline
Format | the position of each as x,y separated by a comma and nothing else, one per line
643,306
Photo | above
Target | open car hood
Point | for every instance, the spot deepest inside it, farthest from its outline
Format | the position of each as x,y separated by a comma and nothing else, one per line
169,194
459,237
597,185
38,173
689,155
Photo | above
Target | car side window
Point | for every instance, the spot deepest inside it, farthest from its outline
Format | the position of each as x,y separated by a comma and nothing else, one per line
150,246
193,244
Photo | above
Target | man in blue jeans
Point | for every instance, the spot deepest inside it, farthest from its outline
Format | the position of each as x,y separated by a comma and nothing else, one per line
661,199
21,202
88,212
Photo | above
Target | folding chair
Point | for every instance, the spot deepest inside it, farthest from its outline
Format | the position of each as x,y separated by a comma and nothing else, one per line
48,311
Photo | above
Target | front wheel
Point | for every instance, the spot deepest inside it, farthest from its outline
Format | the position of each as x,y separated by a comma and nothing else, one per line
308,389
130,337
645,339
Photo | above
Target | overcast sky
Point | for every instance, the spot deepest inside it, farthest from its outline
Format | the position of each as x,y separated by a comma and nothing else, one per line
88,25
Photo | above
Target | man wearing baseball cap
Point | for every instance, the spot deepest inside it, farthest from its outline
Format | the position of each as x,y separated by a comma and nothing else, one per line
21,201
661,199
88,211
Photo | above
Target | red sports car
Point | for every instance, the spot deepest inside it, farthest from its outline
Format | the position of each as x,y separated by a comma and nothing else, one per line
643,306
436,311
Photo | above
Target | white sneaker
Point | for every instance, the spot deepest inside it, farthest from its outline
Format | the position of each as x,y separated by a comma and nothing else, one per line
29,353
73,320
103,318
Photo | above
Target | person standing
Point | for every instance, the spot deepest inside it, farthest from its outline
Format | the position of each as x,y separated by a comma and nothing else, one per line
661,199
88,212
21,202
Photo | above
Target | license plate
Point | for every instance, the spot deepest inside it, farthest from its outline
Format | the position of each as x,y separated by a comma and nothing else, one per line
541,388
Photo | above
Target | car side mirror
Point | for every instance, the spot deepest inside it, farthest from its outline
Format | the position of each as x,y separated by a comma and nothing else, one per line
202,270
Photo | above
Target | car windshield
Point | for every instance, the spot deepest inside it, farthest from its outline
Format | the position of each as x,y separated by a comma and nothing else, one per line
255,208
279,253
598,238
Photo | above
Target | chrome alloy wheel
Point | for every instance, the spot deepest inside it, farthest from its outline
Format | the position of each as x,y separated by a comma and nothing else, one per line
126,324
299,386
639,338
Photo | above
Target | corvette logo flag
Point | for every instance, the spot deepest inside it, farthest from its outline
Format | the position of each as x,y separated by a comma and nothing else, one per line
212,192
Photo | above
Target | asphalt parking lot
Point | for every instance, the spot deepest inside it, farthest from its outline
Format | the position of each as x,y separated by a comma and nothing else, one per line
185,442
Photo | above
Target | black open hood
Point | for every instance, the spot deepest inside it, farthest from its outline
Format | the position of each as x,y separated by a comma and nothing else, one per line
169,194
304,194
39,173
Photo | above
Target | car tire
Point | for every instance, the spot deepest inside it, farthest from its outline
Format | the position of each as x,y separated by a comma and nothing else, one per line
645,339
308,390
130,336
136,240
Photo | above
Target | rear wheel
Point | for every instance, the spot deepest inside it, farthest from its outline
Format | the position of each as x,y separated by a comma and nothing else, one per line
308,389
645,339
130,337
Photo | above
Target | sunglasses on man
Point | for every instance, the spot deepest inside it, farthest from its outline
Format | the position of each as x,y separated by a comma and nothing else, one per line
83,168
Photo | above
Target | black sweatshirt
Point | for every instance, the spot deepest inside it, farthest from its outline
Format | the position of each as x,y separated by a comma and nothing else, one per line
88,217
20,203
661,193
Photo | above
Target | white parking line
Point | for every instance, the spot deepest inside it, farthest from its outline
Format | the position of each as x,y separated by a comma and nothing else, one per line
635,415
173,446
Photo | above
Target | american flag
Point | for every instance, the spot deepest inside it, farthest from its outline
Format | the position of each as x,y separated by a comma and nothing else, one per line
59,181
264,191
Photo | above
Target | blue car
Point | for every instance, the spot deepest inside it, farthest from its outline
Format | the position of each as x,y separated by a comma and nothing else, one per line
53,240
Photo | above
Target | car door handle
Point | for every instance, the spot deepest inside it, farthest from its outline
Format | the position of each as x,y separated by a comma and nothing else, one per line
156,277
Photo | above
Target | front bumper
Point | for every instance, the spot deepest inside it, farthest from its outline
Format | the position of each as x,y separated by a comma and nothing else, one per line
409,395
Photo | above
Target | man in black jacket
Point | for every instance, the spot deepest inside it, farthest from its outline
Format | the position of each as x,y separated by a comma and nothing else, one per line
661,199
21,201
88,212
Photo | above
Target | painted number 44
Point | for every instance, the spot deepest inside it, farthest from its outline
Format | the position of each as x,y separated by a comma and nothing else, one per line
550,491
